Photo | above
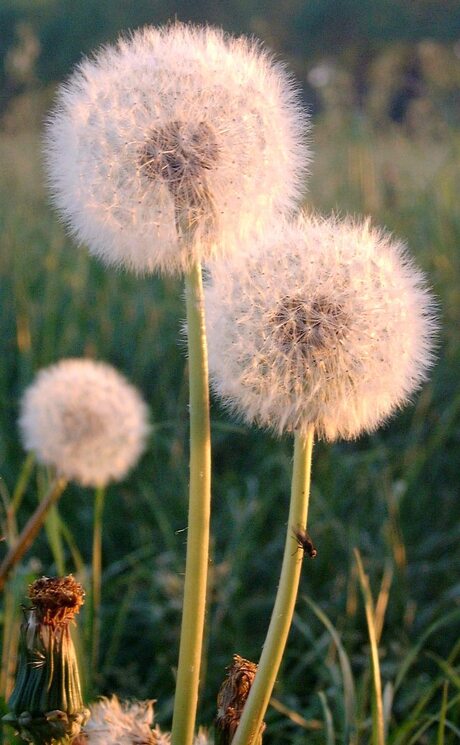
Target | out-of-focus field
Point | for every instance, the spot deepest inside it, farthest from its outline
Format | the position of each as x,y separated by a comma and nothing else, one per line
395,495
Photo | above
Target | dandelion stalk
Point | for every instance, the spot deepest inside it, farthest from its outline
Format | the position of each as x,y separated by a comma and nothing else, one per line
188,672
248,731
31,529
96,577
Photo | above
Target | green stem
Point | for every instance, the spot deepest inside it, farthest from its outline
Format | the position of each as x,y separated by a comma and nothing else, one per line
378,726
31,529
251,721
99,499
22,482
196,570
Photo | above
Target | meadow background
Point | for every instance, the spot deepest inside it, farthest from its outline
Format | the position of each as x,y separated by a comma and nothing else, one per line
383,83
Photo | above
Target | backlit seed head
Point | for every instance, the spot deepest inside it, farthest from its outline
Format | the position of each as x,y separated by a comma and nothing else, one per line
86,420
115,722
175,126
325,323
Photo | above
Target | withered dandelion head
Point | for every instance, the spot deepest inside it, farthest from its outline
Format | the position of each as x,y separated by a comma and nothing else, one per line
233,695
175,126
56,600
46,704
86,420
326,323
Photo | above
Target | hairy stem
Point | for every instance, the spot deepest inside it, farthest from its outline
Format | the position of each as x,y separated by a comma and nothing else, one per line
249,729
31,529
196,570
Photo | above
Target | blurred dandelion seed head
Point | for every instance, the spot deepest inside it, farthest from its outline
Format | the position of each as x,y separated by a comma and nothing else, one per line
175,119
326,323
86,420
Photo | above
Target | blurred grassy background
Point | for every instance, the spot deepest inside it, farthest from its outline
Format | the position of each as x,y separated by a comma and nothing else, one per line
386,143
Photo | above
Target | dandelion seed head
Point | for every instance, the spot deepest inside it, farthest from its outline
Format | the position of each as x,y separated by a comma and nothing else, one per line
327,322
113,722
85,419
179,120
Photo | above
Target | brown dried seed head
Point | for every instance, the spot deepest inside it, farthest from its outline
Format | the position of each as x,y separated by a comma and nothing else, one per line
56,600
233,695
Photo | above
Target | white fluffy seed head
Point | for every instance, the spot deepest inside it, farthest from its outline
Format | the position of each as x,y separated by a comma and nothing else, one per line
326,323
113,722
85,419
179,124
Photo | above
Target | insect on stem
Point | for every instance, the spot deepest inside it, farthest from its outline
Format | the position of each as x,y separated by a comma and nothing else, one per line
305,542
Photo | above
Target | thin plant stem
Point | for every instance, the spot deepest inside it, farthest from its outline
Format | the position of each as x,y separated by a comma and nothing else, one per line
99,499
22,482
31,529
196,570
10,636
249,728
378,726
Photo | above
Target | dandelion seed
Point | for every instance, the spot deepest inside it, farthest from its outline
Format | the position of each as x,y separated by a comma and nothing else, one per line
113,722
327,323
86,420
175,124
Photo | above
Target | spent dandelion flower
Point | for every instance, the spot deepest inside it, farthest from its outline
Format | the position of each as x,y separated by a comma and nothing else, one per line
171,124
46,705
85,419
232,697
328,323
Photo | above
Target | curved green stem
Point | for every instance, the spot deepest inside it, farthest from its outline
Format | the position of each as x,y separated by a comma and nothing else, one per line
378,722
99,499
31,529
254,710
196,570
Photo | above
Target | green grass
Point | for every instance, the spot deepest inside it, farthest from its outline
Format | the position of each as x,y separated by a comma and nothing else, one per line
393,496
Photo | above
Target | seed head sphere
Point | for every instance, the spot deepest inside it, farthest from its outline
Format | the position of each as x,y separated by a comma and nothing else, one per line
172,126
86,420
326,323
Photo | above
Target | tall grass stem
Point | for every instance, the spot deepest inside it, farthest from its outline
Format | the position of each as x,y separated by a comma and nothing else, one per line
280,623
196,571
378,727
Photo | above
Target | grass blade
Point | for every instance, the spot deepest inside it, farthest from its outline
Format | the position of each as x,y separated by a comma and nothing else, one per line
378,729
442,717
349,693
412,655
328,720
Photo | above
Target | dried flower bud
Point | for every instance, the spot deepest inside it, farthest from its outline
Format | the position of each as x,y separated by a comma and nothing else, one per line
232,698
46,705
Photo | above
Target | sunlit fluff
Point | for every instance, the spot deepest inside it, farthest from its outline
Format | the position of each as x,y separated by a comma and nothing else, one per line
85,419
326,323
174,124
113,722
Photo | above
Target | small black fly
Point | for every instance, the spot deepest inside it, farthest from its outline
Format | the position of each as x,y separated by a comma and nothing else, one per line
305,542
